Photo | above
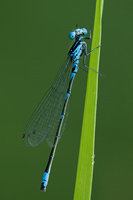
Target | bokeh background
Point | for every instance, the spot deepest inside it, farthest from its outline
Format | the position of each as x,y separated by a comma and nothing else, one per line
34,44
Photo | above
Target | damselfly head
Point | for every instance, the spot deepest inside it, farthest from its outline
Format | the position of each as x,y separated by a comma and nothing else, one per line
77,32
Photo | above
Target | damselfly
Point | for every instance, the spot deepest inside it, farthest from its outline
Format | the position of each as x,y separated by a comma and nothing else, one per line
48,118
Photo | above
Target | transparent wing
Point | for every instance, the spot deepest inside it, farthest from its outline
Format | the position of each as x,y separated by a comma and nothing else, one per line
44,122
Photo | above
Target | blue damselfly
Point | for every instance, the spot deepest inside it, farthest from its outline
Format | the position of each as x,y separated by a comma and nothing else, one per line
48,118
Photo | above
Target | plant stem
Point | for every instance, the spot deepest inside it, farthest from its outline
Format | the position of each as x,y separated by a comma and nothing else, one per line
83,186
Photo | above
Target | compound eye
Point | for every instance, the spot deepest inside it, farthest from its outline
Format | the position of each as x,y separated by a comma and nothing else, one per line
72,35
84,31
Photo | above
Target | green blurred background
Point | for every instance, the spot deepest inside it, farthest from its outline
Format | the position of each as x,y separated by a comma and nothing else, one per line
34,44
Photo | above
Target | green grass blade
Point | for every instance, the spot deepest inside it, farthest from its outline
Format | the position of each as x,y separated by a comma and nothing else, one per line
84,176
